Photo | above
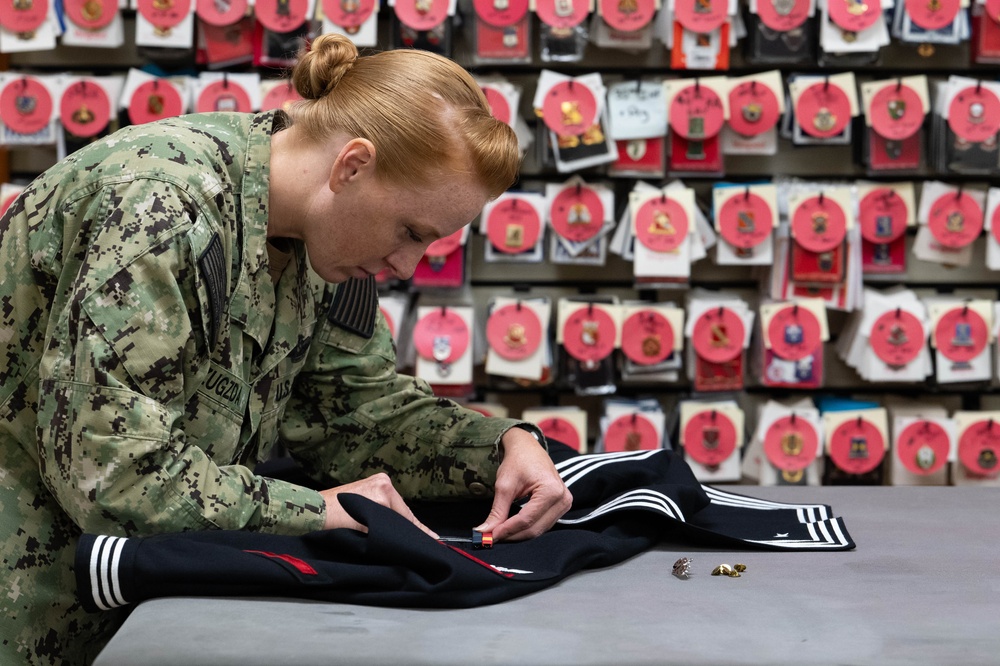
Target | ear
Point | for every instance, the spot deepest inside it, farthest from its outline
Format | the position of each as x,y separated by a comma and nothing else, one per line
355,160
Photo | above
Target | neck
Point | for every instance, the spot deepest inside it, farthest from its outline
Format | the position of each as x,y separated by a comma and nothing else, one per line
299,174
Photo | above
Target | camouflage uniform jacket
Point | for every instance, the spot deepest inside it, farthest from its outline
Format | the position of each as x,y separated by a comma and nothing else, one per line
148,360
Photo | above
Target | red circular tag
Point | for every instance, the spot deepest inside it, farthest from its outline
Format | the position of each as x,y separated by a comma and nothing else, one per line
389,321
745,220
513,226
85,109
854,15
280,96
961,334
23,17
647,337
897,337
631,432
857,446
993,9
560,429
883,215
896,112
589,334
348,14
569,108
562,14
661,224
164,14
422,14
577,214
709,438
794,333
696,112
155,100
442,247
628,16
783,15
823,110
25,105
933,14
791,443
501,13
819,224
5,203
220,14
91,14
753,108
979,447
223,96
974,114
955,220
441,336
514,331
701,16
718,335
923,447
281,15
499,106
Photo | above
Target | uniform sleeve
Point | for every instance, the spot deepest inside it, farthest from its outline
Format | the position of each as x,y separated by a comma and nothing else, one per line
126,349
351,415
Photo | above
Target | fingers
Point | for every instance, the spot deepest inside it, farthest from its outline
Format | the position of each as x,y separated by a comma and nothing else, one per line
536,517
377,488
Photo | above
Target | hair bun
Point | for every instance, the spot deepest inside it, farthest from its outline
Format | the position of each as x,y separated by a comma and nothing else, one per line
321,67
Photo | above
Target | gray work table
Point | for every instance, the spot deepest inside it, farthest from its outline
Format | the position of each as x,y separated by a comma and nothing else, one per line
922,587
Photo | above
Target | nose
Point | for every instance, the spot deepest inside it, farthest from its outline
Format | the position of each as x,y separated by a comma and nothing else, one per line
403,261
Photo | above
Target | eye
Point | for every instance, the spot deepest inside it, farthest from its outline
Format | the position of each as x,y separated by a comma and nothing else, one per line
413,236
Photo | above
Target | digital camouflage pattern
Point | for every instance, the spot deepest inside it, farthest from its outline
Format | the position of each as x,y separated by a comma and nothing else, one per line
148,362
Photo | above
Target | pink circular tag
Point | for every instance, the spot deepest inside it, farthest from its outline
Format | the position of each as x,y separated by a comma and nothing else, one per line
628,16
589,334
25,105
85,109
422,14
955,220
995,224
23,17
696,112
882,216
631,432
978,448
569,108
348,14
933,14
854,15
709,438
857,446
753,108
441,336
922,447
281,15
745,220
974,114
897,337
896,112
702,16
389,321
500,13
577,214
783,15
223,96
155,100
961,334
819,224
647,337
562,14
513,226
562,430
499,106
5,203
993,9
514,332
219,14
791,443
661,224
794,333
823,110
164,14
442,247
91,14
718,335
280,96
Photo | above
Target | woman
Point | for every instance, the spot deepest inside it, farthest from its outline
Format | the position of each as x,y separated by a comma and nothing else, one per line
184,295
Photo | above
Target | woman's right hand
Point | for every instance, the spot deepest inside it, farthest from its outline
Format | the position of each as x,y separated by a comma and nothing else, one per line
377,488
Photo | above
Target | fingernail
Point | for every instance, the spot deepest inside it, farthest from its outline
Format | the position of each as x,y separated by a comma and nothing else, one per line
480,528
